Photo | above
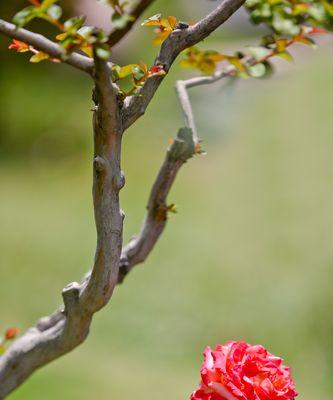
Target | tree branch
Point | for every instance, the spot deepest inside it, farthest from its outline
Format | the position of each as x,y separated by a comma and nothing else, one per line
59,333
136,251
66,329
117,34
183,148
184,99
179,40
41,43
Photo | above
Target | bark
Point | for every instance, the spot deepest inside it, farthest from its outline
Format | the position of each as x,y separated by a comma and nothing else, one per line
39,42
66,328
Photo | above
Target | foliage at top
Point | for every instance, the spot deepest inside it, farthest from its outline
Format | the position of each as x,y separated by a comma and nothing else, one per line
287,22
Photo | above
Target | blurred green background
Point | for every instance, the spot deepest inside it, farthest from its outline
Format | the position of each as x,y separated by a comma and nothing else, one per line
249,255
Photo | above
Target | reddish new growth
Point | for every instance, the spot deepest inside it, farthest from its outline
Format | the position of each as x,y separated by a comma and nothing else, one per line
11,333
18,46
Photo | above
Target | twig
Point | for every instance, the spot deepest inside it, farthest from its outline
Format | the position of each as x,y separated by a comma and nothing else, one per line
179,40
117,34
182,87
136,251
41,43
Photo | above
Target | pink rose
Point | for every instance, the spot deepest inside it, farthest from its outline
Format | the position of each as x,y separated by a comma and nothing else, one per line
240,371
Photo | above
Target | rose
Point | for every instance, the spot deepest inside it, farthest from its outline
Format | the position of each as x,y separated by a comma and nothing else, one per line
240,371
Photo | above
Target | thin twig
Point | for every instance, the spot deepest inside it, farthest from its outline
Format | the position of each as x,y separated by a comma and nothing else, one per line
41,43
182,87
179,40
117,34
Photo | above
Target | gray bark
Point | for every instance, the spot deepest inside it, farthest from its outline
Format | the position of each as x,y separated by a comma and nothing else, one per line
68,327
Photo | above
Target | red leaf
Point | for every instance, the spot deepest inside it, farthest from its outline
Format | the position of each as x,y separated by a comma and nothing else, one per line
11,333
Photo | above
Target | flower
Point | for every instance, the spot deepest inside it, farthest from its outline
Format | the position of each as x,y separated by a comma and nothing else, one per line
240,371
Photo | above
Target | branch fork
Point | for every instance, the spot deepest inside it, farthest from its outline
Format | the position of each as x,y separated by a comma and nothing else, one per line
68,326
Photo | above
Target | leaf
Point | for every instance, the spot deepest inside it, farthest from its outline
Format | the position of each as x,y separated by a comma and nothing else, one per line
103,52
161,36
19,46
172,208
172,21
257,70
269,69
74,24
286,56
88,49
164,26
11,333
138,72
237,63
38,57
47,4
281,44
155,20
85,31
120,21
300,8
205,61
62,36
24,16
258,52
305,40
54,12
285,26
126,70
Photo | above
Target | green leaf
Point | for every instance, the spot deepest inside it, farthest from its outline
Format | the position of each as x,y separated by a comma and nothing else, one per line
47,3
38,57
269,70
252,3
257,70
120,21
285,26
258,52
317,11
24,16
74,24
103,52
138,72
85,31
54,11
126,70
286,56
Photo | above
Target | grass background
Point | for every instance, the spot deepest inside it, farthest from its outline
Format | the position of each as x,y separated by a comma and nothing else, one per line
249,255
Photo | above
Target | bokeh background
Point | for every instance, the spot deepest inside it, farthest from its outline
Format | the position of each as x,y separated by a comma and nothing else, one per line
249,255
